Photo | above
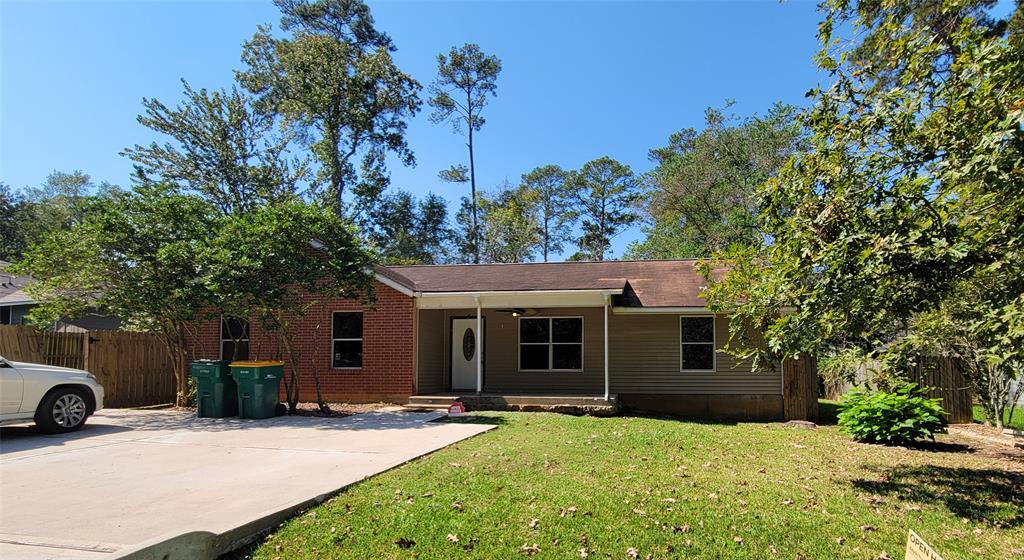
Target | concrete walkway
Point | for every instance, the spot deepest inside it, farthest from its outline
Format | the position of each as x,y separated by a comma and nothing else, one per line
163,484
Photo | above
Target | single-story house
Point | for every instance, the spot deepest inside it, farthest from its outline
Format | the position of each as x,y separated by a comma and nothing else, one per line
633,333
15,305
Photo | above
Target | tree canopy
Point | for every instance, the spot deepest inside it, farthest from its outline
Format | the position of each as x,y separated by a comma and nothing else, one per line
606,193
550,187
701,196
225,148
911,185
466,77
333,81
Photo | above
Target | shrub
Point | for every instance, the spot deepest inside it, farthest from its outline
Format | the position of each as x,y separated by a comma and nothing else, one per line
898,417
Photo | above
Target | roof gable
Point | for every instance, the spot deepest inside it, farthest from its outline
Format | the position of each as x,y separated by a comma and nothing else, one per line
674,283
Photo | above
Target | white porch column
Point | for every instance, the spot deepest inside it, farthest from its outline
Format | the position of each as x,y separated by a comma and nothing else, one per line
606,298
479,347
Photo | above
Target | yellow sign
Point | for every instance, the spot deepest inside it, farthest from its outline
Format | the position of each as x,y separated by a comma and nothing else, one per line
917,549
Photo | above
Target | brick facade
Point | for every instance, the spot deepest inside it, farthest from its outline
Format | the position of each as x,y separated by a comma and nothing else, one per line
388,370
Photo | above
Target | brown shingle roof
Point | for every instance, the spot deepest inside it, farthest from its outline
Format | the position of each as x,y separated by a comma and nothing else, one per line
644,283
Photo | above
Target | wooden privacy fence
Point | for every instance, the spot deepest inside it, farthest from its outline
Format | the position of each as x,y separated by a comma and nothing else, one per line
133,367
940,374
24,344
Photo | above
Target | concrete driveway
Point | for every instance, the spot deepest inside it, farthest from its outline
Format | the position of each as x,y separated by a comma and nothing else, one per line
164,484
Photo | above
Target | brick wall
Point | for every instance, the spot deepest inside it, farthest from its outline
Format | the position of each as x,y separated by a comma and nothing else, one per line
387,373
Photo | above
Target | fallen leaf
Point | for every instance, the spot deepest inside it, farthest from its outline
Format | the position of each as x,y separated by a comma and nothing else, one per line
584,553
787,502
713,496
529,549
453,538
405,543
868,528
427,495
799,446
840,540
632,553
737,539
883,556
681,529
456,505
455,465
533,523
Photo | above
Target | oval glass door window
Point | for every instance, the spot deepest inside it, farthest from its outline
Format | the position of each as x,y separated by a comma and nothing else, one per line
468,344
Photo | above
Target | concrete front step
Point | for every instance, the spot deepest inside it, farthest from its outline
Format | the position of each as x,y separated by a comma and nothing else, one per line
431,407
441,400
569,404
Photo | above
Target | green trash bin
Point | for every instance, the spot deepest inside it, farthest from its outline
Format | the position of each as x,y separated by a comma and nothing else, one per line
258,388
216,395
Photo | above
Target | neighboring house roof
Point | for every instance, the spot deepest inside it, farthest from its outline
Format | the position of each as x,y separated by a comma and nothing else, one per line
663,283
11,292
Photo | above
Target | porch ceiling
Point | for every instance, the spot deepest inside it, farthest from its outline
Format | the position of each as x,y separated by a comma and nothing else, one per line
538,298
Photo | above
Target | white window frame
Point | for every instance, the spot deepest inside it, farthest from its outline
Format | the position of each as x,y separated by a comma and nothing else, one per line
550,344
714,344
220,335
361,340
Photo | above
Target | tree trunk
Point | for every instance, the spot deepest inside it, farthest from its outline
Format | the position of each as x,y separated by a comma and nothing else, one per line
292,387
546,238
320,402
472,182
337,183
173,337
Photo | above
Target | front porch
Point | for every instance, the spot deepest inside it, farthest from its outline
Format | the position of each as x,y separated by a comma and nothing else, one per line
524,351
596,405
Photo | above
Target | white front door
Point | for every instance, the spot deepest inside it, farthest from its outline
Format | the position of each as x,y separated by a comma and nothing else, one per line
464,349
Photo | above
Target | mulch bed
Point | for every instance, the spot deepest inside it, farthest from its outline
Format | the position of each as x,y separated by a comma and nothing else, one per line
339,410
985,440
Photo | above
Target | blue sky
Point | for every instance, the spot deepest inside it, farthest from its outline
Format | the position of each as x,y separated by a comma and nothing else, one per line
580,79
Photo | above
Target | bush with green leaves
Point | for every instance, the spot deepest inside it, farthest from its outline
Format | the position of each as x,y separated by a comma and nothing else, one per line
902,416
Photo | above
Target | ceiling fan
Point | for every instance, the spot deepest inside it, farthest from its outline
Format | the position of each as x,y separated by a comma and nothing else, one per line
518,311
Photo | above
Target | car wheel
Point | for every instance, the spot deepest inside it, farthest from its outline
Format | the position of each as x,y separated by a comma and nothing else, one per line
62,411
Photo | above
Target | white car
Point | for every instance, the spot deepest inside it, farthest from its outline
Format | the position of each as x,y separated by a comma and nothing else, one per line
57,399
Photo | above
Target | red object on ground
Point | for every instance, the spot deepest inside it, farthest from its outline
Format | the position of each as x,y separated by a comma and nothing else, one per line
456,408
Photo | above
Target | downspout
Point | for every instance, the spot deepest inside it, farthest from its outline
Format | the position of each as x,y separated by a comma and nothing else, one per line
606,391
479,347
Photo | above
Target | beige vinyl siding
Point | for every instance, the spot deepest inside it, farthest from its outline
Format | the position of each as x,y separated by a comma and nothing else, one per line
432,374
502,369
644,354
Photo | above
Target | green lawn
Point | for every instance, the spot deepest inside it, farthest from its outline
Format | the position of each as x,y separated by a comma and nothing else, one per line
1016,422
553,486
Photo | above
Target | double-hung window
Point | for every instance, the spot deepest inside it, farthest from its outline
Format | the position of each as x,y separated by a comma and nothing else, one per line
551,343
234,338
347,339
697,343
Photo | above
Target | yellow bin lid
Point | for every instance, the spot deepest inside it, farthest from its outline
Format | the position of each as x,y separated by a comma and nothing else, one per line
255,364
